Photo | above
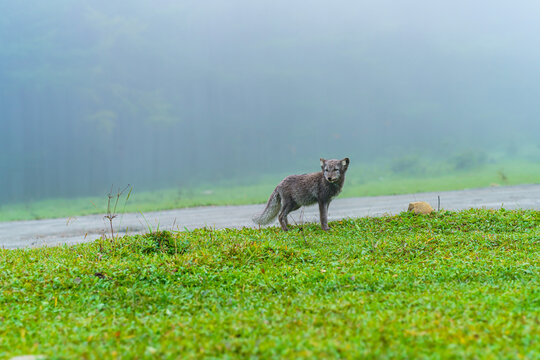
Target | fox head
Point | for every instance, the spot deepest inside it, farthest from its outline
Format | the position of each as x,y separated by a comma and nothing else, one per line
334,170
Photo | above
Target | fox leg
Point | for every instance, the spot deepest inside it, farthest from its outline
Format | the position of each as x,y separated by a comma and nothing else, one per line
323,210
287,205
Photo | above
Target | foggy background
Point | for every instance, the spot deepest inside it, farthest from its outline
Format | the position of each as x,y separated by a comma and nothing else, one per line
171,93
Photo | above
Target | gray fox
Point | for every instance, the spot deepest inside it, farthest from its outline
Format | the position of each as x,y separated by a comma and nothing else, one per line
298,190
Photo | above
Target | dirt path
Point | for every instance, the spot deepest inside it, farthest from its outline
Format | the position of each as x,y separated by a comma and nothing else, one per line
53,232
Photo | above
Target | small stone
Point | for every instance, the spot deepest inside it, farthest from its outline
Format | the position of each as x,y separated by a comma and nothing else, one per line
420,207
28,357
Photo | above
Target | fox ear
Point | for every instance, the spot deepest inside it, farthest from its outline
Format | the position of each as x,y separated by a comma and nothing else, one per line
322,162
345,162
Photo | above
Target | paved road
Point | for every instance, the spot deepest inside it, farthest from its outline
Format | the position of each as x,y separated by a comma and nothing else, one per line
53,232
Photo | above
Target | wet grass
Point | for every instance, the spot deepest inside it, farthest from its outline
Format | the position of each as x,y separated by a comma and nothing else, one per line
448,285
362,180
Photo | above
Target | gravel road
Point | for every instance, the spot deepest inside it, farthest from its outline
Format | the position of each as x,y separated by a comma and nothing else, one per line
53,232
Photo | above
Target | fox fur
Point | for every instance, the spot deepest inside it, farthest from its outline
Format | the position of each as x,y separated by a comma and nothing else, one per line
300,190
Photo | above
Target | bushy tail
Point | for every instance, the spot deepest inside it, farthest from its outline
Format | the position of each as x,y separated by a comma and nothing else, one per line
271,210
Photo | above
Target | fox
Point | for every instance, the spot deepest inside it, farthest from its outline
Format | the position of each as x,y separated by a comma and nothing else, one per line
301,190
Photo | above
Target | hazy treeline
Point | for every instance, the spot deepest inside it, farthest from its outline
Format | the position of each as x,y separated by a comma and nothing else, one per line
168,93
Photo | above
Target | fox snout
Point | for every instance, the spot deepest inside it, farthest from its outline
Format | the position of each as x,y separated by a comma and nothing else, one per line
332,178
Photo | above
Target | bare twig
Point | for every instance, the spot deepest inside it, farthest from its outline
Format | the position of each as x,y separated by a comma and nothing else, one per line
111,209
302,225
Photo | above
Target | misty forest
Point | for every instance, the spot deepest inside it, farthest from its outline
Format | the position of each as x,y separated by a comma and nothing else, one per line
173,94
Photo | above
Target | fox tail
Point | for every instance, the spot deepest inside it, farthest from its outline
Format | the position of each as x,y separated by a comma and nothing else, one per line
271,210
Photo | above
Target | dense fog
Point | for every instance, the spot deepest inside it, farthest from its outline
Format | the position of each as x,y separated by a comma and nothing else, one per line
173,93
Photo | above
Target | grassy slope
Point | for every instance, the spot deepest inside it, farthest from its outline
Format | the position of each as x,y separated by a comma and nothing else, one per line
367,181
440,286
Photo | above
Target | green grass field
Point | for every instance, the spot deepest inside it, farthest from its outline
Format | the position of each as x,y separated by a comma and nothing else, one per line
362,180
446,285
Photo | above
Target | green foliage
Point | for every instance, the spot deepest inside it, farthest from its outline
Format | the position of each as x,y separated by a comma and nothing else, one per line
468,160
446,285
164,242
407,165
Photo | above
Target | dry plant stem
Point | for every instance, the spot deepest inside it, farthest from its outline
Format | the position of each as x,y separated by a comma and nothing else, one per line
111,211
302,226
